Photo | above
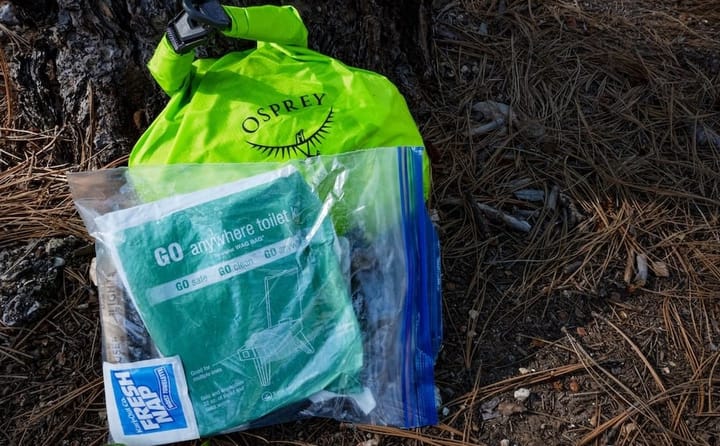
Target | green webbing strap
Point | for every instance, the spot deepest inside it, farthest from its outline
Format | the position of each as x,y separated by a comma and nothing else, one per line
274,24
281,25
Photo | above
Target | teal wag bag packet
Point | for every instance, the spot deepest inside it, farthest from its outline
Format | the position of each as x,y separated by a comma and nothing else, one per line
229,300
243,283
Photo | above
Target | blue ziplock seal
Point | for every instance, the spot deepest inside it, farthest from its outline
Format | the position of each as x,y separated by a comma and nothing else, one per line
431,316
435,287
422,327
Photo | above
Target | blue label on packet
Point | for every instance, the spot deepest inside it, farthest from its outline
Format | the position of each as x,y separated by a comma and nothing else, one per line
147,399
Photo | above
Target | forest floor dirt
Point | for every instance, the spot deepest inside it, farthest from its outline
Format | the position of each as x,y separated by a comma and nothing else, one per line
603,301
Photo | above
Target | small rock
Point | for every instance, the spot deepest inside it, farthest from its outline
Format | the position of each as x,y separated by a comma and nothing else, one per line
19,309
505,442
535,195
641,268
490,405
522,394
483,29
434,216
445,411
488,411
60,245
707,136
7,15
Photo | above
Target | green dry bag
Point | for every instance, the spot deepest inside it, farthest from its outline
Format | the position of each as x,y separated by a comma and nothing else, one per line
278,101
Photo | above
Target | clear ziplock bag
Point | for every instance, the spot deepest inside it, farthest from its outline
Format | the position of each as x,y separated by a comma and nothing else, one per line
241,295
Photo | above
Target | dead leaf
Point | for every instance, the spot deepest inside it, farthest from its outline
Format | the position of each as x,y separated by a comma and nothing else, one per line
507,408
572,267
627,429
660,269
594,420
571,23
93,271
574,386
627,276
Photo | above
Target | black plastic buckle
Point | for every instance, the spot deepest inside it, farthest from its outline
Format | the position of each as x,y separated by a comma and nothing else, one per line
192,26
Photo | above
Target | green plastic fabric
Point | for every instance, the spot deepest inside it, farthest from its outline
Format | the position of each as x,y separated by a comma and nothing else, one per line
273,103
244,283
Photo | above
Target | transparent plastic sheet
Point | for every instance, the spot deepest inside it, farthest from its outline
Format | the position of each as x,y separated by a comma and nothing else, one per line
268,292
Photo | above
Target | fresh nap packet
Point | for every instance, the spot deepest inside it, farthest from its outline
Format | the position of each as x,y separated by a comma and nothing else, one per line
148,402
242,284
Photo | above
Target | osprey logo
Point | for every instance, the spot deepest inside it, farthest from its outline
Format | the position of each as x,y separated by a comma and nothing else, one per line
306,141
